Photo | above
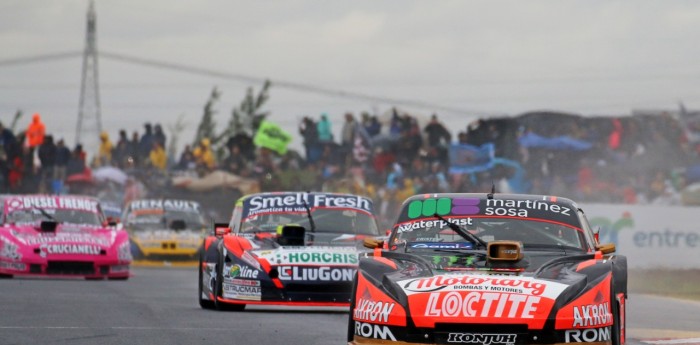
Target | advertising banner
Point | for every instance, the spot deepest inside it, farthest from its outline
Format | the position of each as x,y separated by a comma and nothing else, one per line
650,236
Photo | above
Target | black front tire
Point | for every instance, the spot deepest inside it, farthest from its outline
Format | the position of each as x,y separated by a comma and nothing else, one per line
6,276
204,303
351,322
616,334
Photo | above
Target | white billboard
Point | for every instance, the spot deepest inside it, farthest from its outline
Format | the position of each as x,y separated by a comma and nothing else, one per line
650,236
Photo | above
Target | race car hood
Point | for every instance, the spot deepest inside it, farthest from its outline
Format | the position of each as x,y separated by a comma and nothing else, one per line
480,298
66,239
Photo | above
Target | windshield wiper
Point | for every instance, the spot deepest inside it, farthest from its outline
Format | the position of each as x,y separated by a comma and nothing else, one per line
457,251
311,219
551,246
45,214
465,234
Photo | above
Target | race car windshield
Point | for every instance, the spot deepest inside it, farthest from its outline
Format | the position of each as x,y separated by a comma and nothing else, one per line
159,220
432,233
31,216
326,220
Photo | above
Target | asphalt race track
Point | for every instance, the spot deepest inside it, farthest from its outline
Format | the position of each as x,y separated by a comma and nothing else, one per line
159,306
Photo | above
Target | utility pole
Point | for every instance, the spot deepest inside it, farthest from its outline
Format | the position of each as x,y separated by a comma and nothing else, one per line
89,108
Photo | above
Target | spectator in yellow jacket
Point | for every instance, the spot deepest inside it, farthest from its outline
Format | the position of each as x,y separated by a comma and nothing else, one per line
158,157
203,155
104,154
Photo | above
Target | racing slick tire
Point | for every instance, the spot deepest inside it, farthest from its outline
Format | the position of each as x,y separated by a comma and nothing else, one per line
6,276
616,334
204,303
351,322
218,288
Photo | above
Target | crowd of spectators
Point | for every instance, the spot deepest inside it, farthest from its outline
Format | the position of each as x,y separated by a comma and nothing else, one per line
618,159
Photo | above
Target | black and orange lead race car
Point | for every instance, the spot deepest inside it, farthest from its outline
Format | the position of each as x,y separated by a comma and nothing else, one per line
491,269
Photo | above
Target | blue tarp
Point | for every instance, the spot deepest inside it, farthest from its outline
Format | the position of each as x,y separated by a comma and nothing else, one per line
563,142
467,159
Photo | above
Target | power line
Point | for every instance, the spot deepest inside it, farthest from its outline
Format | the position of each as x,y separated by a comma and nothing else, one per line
286,84
40,58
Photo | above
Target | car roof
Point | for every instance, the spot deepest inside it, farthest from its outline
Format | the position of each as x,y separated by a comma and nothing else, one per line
297,192
495,196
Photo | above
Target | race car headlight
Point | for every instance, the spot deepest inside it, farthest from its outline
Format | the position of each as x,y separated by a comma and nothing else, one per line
124,251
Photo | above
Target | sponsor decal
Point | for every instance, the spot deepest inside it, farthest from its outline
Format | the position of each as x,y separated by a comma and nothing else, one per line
312,256
322,258
63,237
167,204
245,282
521,285
443,206
368,310
369,330
82,249
300,273
124,252
242,291
15,266
429,224
485,339
295,202
440,245
481,304
521,208
9,250
591,335
592,315
242,271
45,202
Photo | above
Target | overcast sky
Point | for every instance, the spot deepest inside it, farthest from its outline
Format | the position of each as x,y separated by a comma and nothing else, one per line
479,58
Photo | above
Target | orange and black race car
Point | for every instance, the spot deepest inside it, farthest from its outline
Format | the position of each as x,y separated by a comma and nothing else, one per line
286,248
489,269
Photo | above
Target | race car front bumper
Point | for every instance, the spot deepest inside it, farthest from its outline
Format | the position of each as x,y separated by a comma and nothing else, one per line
496,334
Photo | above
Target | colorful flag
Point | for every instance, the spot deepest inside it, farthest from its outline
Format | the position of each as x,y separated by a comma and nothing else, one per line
273,137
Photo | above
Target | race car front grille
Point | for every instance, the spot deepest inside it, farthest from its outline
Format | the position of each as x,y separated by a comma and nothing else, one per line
70,267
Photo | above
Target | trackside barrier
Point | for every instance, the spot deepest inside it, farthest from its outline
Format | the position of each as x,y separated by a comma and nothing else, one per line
650,236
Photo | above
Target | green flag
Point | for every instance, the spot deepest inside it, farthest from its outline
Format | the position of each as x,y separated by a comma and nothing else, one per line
273,137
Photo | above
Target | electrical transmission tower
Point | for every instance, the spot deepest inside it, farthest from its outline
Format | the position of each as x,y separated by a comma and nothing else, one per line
89,108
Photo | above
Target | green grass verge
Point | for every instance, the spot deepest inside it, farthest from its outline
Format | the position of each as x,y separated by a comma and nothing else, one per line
671,283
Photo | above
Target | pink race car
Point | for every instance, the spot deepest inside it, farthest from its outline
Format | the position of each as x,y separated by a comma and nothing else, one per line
60,236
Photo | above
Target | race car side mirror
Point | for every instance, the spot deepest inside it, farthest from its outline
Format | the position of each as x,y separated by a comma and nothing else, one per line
596,234
372,243
111,222
606,248
504,251
220,231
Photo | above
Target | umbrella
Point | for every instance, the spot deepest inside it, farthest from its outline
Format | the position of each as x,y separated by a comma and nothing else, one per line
110,173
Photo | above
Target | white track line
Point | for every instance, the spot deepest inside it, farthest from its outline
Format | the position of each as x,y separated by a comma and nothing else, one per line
119,328
673,341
